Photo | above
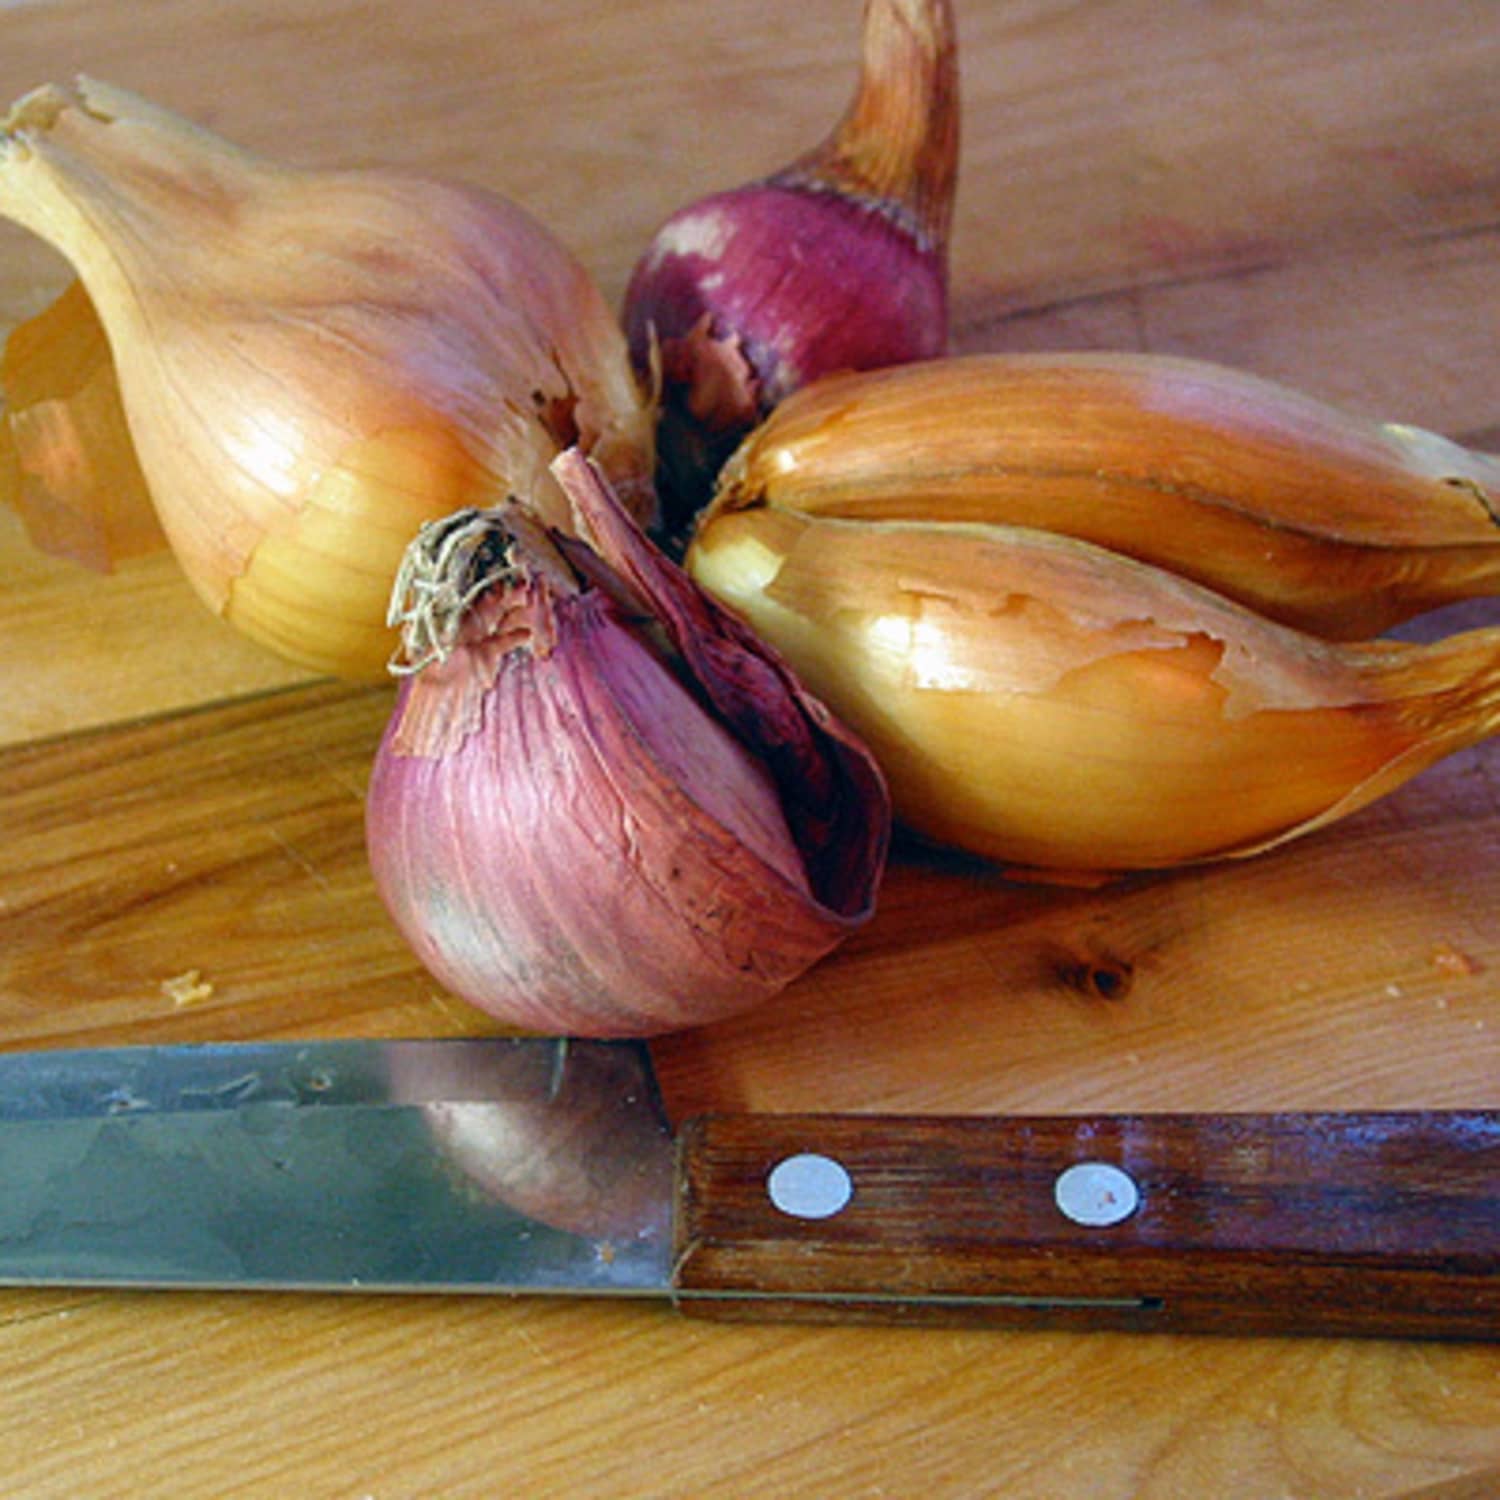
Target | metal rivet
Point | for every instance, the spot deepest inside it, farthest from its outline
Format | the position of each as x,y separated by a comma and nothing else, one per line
809,1186
1096,1193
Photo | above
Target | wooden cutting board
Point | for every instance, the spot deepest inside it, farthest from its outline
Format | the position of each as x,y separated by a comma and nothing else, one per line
1308,191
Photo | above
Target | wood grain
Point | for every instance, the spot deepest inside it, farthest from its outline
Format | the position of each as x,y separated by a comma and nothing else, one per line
249,873
1308,190
1350,1224
228,841
61,622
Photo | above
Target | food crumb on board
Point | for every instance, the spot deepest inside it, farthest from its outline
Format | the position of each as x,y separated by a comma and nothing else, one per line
189,988
1450,960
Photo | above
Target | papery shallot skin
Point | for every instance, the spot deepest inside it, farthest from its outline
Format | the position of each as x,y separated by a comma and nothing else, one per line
1074,715
309,364
1326,520
553,869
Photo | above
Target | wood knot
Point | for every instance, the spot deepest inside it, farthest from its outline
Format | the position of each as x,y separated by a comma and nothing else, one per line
1099,978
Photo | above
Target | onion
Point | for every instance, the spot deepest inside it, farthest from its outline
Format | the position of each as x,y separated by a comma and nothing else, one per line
302,366
839,261
1074,714
601,805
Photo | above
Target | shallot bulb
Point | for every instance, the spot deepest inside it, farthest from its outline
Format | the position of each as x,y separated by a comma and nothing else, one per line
601,806
839,261
1072,713
302,365
1319,518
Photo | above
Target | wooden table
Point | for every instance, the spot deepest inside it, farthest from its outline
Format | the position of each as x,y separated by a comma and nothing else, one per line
1308,190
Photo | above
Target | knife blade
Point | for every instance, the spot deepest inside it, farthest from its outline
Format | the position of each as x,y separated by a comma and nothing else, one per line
515,1165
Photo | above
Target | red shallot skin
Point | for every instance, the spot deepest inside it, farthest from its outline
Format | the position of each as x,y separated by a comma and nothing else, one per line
837,262
792,329
753,293
550,867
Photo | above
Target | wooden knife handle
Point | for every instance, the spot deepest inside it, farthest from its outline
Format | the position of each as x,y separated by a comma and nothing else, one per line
1383,1225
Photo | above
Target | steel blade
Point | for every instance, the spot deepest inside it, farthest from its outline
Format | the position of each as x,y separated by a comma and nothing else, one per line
467,1165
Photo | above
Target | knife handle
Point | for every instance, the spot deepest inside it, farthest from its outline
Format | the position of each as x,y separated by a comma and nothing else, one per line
1383,1225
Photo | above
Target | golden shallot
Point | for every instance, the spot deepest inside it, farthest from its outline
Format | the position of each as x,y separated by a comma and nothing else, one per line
312,363
1327,521
1049,704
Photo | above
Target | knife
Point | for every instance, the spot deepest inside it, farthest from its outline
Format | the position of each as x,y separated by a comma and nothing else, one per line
530,1165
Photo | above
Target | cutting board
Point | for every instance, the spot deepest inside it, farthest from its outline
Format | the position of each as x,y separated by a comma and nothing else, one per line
1308,191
